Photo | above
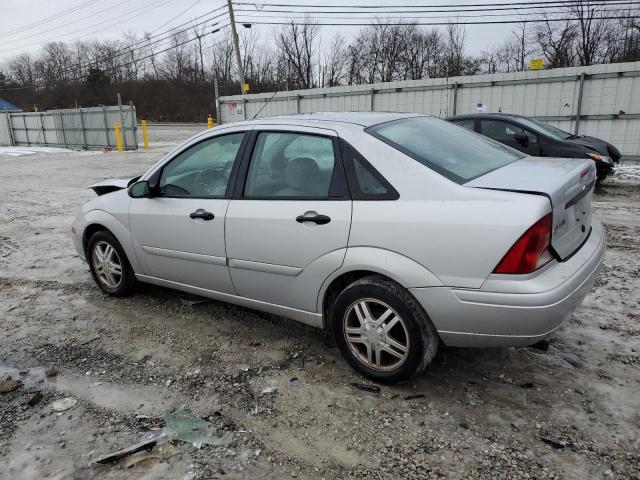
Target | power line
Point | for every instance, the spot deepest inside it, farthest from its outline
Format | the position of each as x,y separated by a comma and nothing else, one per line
177,16
48,19
369,16
71,23
82,77
494,22
429,10
413,6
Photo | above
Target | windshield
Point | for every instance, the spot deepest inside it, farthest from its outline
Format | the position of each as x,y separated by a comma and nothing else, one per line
544,127
450,150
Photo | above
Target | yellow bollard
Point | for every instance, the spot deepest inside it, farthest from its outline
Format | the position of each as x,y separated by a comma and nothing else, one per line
209,122
118,134
145,134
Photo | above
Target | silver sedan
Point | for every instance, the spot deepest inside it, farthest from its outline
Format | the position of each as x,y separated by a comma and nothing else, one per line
396,231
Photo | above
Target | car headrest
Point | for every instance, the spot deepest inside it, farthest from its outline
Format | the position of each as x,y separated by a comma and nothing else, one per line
301,172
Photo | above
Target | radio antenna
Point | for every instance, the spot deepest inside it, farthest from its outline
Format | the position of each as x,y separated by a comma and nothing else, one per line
265,104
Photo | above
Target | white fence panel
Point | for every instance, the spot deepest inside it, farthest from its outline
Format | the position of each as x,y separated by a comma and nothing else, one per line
610,106
76,128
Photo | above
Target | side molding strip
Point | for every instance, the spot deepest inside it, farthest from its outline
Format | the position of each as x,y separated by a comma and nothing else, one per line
192,257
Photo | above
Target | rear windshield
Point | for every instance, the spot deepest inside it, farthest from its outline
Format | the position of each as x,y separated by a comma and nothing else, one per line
450,150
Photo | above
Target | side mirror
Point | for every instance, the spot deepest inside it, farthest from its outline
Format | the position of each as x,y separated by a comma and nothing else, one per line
140,189
522,138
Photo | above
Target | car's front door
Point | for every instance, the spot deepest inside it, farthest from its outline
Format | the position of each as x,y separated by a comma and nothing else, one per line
288,224
512,135
178,233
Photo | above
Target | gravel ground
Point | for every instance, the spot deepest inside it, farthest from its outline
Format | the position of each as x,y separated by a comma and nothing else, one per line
569,412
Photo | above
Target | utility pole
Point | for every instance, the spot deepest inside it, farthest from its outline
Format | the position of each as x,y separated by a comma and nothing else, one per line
236,44
217,99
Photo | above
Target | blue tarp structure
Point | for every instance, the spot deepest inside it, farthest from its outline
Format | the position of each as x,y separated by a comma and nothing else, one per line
4,105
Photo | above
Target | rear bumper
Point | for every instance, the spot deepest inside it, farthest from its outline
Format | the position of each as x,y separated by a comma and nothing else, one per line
515,311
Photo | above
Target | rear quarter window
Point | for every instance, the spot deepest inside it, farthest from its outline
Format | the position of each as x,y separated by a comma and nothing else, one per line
455,153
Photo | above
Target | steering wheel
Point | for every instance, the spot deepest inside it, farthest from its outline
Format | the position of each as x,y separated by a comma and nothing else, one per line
208,181
171,189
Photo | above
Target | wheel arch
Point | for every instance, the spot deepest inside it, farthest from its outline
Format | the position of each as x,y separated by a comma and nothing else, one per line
361,262
97,220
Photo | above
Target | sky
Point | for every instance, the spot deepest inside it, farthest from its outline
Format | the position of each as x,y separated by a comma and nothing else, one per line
109,19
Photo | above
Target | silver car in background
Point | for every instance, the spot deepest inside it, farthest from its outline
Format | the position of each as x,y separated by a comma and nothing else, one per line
397,231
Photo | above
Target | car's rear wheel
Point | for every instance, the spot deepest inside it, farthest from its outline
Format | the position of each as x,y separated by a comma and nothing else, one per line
109,265
382,331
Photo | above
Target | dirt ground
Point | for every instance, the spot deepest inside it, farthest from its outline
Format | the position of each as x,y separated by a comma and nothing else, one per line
569,412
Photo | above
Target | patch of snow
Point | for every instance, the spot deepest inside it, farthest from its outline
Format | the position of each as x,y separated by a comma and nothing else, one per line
35,150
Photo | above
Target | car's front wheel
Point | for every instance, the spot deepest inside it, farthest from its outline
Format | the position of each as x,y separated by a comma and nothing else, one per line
109,265
382,331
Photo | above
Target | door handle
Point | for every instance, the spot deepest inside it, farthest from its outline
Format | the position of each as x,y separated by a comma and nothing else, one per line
200,213
315,218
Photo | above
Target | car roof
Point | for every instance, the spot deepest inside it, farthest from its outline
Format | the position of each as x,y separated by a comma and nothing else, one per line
364,119
506,116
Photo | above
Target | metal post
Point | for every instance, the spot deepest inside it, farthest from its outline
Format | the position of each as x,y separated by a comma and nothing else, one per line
244,108
26,131
236,44
12,137
122,123
579,107
44,136
455,99
372,94
106,127
118,133
145,134
84,133
216,100
134,126
298,103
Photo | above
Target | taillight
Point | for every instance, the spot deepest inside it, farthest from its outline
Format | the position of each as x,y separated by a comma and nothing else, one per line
530,252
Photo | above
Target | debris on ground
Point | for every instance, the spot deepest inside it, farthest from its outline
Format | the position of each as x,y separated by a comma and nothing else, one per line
8,385
183,425
557,444
190,303
159,452
63,404
138,447
269,391
93,339
51,371
35,399
293,382
414,397
367,387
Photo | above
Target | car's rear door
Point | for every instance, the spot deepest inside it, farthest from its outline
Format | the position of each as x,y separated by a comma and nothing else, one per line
505,132
287,227
178,233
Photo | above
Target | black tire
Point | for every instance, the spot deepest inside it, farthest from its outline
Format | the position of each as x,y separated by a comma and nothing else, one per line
422,336
127,281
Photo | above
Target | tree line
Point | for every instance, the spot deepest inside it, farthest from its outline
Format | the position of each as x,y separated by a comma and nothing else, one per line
173,80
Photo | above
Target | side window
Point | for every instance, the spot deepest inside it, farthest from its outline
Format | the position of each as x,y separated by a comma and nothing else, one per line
467,123
505,132
290,165
365,182
497,130
202,170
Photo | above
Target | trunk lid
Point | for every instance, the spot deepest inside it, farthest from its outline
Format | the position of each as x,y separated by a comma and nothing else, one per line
567,182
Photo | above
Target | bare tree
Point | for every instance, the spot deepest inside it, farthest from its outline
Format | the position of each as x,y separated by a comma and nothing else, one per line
556,41
296,43
454,52
335,62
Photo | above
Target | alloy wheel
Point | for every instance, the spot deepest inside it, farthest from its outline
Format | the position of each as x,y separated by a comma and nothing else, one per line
376,334
107,264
